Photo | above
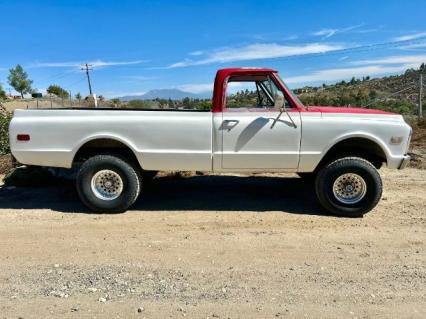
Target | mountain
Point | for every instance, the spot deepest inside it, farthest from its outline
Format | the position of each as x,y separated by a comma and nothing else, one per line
173,94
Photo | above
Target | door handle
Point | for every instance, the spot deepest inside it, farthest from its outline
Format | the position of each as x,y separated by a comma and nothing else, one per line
230,124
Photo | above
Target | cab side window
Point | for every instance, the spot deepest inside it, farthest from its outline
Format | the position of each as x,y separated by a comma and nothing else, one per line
250,92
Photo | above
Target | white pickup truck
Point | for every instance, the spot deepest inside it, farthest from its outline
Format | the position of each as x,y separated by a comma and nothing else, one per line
118,150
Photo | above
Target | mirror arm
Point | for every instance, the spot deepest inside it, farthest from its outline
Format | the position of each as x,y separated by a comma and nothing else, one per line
282,110
291,119
278,117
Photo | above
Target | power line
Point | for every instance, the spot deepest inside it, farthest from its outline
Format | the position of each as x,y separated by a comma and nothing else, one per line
57,76
75,83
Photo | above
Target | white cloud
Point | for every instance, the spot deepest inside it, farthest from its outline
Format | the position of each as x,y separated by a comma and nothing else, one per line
256,52
407,59
291,37
338,74
329,32
362,31
196,53
414,46
196,87
73,64
112,94
325,32
412,36
139,78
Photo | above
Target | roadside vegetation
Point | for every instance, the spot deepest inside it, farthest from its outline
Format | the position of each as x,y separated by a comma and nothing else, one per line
186,103
5,159
58,91
5,118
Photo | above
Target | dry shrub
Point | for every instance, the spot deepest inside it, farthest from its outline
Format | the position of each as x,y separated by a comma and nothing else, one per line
5,118
5,164
175,174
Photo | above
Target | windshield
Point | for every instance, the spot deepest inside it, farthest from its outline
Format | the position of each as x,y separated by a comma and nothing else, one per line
293,95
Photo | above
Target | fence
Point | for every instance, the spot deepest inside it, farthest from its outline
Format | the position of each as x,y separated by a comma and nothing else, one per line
51,102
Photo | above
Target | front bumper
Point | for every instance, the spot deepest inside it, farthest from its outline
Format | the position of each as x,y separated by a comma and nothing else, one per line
406,159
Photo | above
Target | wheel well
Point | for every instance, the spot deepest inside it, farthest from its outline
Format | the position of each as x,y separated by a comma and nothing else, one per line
104,146
359,147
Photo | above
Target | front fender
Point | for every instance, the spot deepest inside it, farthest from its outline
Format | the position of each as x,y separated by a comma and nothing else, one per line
358,134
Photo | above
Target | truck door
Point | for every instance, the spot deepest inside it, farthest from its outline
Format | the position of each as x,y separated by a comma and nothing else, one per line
256,134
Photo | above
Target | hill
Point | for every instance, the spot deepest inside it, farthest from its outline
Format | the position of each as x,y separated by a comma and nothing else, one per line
173,94
399,93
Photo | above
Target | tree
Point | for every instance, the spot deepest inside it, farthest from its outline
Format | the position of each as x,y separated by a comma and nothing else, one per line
373,94
18,79
115,102
78,96
58,91
2,93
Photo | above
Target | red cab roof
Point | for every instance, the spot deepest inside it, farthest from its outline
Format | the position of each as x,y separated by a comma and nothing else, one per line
228,71
222,76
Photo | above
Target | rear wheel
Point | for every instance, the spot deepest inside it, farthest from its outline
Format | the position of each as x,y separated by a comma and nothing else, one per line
349,186
108,184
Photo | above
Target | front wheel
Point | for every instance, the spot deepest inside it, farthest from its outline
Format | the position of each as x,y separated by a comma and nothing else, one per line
108,184
349,187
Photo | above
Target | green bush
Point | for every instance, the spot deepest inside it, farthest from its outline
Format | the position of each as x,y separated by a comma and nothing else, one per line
5,118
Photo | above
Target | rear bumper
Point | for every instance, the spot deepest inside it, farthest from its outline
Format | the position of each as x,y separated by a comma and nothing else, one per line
405,160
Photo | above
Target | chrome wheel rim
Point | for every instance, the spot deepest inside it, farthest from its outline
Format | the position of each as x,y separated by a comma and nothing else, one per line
349,188
107,185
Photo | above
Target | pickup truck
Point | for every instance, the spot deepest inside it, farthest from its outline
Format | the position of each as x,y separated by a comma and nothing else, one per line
117,151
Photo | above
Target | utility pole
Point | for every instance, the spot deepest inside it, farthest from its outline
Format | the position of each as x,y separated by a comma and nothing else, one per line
88,67
421,97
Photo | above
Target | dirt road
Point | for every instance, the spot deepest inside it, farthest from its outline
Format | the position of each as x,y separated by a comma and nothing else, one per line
214,247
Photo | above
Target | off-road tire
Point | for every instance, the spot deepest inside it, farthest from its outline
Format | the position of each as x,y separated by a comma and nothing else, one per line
329,173
130,176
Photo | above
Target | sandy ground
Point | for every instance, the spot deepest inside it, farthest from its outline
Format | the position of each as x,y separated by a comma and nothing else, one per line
214,247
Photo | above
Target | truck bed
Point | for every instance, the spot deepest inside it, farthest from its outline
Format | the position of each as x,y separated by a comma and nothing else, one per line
158,137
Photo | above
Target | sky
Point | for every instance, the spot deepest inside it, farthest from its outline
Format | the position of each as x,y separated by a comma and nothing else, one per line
136,46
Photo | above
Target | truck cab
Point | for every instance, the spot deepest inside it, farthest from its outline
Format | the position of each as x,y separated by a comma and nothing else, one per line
255,134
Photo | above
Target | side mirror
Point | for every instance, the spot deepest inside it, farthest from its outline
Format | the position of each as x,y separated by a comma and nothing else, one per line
278,100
